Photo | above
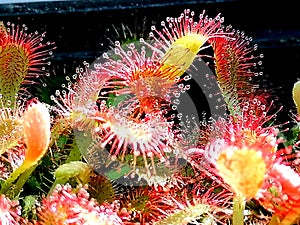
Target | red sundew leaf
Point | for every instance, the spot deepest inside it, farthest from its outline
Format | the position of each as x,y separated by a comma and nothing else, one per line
3,34
149,137
136,70
147,204
22,56
280,194
249,129
10,211
67,205
235,67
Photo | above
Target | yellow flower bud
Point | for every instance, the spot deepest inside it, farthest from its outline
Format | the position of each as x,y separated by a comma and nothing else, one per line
296,96
36,129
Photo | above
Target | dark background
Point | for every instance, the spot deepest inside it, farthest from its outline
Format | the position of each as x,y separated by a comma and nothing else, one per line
82,30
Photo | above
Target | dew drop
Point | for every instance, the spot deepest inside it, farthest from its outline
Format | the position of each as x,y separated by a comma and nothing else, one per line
245,108
177,78
177,95
129,53
187,77
187,87
176,101
180,86
105,55
117,51
57,92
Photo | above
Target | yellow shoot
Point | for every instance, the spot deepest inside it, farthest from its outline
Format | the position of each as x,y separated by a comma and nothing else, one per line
36,129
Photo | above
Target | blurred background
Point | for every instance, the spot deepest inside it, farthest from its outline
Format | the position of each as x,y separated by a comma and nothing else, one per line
82,30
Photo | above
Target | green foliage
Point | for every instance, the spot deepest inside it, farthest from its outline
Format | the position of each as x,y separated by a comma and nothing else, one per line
28,206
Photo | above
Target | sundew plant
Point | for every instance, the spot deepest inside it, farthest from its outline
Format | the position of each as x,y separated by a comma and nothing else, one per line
119,143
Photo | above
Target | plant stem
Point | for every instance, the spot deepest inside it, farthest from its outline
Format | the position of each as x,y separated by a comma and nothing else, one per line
10,181
239,203
13,185
56,182
21,181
